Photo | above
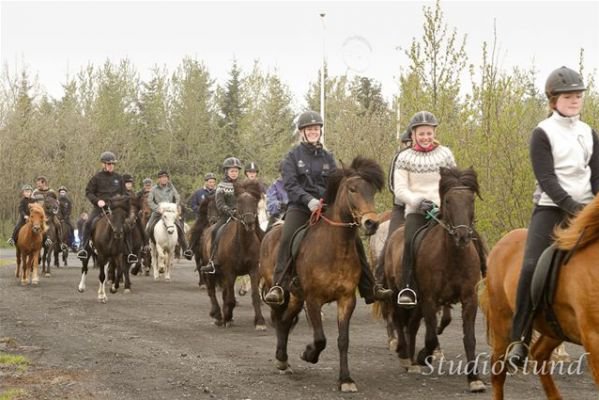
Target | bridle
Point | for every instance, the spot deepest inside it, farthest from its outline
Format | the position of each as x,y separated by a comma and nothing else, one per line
453,229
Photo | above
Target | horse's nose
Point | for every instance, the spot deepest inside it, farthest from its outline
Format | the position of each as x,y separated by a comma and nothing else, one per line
36,229
170,230
462,240
370,226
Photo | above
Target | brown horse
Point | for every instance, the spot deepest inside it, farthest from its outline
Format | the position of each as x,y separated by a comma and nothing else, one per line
108,239
327,263
207,216
29,245
237,254
575,299
54,232
447,269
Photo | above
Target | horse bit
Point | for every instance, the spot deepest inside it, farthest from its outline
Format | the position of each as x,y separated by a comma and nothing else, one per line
452,229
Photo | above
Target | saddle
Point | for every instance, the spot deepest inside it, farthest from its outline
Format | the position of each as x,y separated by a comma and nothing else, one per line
288,274
544,284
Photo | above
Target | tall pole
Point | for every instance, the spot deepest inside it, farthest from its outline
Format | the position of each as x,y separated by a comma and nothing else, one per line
322,15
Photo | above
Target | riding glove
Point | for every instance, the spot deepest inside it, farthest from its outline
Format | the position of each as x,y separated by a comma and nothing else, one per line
426,206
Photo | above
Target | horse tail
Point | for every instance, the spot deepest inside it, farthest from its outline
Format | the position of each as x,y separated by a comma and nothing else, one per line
484,304
377,309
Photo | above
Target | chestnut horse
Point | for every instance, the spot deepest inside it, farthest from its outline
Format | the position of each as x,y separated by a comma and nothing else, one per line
446,271
327,263
108,239
575,299
29,245
237,254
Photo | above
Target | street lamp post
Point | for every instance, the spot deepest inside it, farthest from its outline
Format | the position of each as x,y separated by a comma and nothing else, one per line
322,15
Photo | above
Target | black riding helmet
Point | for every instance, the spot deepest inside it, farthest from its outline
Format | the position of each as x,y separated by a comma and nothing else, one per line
251,167
309,118
209,176
108,157
563,80
127,178
423,118
231,162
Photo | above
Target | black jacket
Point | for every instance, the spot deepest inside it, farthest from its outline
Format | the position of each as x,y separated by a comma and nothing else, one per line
306,170
24,206
103,186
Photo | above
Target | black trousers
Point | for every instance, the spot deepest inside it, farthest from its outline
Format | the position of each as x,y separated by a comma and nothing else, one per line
397,219
20,223
544,220
414,222
294,219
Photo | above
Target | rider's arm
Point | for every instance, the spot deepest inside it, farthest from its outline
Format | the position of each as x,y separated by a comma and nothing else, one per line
294,189
594,164
151,203
90,190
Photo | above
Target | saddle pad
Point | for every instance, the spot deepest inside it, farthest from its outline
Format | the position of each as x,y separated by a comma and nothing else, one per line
544,279
296,240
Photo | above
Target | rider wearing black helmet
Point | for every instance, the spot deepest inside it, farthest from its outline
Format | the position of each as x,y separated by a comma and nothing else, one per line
99,190
306,170
226,206
564,152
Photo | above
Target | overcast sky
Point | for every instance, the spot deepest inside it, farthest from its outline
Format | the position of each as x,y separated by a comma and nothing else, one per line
53,39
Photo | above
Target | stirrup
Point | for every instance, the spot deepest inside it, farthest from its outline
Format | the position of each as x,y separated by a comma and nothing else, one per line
208,268
48,242
407,292
131,258
64,247
188,254
280,293
512,364
11,241
82,255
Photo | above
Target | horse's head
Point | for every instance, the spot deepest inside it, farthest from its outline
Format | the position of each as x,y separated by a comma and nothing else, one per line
51,206
117,214
247,195
208,212
457,189
351,192
37,218
168,216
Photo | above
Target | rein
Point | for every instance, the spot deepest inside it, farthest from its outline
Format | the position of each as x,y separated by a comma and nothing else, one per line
317,215
107,215
451,229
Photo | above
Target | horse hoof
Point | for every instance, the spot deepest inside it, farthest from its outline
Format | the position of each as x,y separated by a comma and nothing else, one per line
127,291
35,282
393,345
284,367
405,363
102,300
414,369
228,324
113,290
242,292
438,355
260,327
167,278
47,275
348,387
161,271
477,386
218,322
81,290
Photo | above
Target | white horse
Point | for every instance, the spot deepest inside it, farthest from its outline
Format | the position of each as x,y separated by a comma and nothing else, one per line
165,235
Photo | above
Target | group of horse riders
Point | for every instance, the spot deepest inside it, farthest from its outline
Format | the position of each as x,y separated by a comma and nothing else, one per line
62,213
566,171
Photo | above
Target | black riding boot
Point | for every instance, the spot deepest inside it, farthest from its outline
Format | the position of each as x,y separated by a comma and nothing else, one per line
210,267
187,253
366,286
294,219
407,297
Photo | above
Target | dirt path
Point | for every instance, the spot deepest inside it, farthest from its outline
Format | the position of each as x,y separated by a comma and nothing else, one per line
158,342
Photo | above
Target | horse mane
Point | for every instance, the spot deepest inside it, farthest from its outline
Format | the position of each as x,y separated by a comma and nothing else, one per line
452,177
168,207
587,221
249,186
120,201
35,208
365,168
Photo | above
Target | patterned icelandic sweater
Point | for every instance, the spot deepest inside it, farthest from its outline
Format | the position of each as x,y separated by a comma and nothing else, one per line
416,176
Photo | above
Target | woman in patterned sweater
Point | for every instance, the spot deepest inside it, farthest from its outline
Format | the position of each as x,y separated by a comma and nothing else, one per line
416,177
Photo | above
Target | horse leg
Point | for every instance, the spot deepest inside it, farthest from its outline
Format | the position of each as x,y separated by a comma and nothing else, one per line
345,309
399,324
590,341
155,261
115,276
102,278
541,352
215,311
469,308
259,322
228,300
81,286
499,321
413,317
18,269
431,341
127,280
35,277
313,350
169,263
24,278
284,318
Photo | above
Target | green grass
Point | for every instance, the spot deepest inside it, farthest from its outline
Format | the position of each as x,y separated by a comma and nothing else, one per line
14,360
12,394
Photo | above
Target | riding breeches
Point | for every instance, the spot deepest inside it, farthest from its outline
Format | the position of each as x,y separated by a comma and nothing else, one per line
543,222
414,222
20,222
397,219
294,219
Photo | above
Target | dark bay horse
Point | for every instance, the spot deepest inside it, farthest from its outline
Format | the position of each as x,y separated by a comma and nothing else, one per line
327,263
237,255
574,304
29,245
446,271
54,232
207,216
108,240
